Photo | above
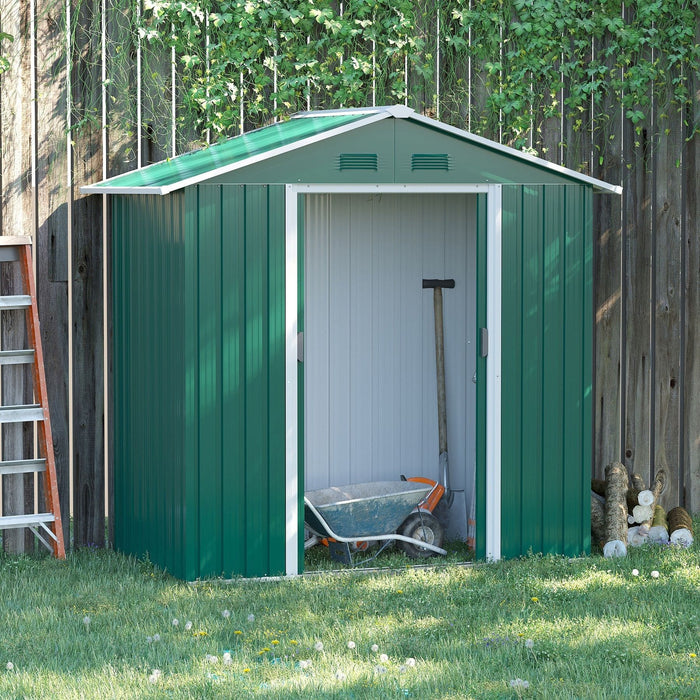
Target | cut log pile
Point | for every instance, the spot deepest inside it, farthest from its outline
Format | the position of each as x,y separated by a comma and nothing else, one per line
626,513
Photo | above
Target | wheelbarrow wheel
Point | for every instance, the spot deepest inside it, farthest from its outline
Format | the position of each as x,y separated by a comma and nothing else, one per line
420,526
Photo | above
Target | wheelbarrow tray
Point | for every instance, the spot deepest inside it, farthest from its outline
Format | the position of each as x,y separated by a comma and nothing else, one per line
363,510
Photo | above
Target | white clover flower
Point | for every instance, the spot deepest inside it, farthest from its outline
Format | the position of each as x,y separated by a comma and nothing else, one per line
519,683
226,614
375,647
251,618
188,625
529,643
149,640
227,658
318,646
635,572
10,666
655,574
339,675
403,668
383,658
86,621
410,662
305,663
351,645
379,669
156,637
155,675
176,622
211,659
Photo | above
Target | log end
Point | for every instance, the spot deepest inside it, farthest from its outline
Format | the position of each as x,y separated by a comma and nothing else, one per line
614,548
682,538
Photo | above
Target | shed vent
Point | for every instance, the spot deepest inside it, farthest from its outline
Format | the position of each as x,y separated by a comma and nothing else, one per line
358,161
430,161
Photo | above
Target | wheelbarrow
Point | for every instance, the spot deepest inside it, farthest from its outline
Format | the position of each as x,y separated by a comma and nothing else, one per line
349,518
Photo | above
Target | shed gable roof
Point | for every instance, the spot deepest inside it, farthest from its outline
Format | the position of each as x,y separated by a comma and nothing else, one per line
301,131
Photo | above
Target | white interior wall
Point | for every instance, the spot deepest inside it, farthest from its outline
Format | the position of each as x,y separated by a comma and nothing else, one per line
369,356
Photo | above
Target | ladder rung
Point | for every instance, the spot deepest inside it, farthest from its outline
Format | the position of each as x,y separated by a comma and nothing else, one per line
23,466
16,357
16,301
9,522
20,414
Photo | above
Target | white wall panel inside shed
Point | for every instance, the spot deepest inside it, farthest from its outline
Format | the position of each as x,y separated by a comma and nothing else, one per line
369,354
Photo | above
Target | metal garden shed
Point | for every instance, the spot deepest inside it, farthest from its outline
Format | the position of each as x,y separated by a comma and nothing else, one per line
270,334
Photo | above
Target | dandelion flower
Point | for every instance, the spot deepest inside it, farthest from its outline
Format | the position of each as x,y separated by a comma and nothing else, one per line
156,637
246,670
293,641
305,663
399,591
351,645
87,621
153,678
375,647
251,618
535,599
10,666
529,643
339,675
227,658
226,614
211,659
237,632
655,574
410,662
383,658
403,668
519,683
693,655
188,625
274,641
149,640
176,622
379,669
318,646
635,572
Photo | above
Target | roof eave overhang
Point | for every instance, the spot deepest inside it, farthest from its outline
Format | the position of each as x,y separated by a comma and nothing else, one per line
104,187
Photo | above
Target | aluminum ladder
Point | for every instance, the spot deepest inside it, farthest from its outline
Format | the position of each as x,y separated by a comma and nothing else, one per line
46,526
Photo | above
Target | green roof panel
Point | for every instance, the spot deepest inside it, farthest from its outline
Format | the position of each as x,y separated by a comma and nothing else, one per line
173,173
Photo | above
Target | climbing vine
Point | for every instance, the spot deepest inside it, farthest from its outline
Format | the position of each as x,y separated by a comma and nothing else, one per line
4,63
519,71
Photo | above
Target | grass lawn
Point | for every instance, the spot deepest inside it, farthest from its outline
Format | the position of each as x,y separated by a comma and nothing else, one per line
101,625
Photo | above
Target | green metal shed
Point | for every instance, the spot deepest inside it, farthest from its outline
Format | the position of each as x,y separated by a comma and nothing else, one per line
323,226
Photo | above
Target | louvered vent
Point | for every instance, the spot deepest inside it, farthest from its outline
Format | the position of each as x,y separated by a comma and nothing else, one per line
430,161
358,161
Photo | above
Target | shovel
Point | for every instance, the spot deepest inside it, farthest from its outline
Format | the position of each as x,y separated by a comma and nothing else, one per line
437,286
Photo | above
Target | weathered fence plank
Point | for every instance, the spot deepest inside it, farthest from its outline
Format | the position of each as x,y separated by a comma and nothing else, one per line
17,219
668,297
86,281
51,249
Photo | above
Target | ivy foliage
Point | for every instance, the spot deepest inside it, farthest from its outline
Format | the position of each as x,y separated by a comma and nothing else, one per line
4,62
502,68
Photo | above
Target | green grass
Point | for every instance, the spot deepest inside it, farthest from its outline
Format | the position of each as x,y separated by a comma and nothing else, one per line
589,628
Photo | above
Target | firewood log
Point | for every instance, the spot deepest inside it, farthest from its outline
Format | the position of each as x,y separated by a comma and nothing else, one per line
616,479
651,497
680,527
635,537
598,486
598,518
658,532
642,513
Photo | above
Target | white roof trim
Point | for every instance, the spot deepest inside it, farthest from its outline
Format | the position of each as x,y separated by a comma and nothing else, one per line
372,116
507,150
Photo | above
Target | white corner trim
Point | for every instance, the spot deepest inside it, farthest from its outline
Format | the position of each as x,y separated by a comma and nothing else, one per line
291,387
493,372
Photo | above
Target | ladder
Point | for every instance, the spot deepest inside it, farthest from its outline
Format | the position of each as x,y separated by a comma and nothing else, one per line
46,526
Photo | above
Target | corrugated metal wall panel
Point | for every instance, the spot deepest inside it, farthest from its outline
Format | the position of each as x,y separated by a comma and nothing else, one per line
237,391
546,369
148,360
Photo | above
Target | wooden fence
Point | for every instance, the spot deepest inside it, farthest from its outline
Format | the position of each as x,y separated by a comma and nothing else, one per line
63,123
